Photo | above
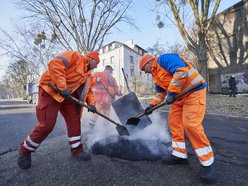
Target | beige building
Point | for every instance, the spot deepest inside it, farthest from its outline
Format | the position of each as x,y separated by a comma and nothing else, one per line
126,55
228,51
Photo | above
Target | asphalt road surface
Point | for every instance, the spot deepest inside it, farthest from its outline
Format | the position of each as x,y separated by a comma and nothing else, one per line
52,164
17,119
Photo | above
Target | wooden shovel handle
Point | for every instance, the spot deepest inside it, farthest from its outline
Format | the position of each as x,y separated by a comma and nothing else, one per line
125,79
187,90
81,103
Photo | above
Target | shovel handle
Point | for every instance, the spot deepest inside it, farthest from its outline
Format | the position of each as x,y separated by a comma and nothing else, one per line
81,103
181,94
125,77
70,96
108,91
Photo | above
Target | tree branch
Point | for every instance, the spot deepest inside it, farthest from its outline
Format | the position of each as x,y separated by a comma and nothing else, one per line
210,21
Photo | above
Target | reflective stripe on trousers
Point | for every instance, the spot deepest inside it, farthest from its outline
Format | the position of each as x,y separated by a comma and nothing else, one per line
187,115
47,111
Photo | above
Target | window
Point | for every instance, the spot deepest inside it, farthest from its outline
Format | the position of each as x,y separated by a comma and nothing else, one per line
103,62
132,72
131,66
112,59
131,61
113,46
106,48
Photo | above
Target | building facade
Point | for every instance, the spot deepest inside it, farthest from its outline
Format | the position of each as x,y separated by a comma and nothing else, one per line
228,51
126,55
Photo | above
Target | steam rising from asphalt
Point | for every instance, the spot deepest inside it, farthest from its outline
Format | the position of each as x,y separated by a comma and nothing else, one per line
104,131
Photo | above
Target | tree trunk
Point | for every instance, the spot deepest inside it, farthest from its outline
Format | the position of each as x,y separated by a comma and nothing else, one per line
203,68
202,57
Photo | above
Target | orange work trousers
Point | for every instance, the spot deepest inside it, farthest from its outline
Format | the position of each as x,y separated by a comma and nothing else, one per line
187,114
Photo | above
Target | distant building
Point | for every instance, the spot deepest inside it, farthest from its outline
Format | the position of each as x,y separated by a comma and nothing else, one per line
229,44
126,55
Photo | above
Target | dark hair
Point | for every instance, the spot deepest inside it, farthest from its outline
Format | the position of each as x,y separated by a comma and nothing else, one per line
108,67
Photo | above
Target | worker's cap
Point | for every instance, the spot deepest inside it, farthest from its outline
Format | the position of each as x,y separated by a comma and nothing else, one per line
108,67
233,76
144,60
94,55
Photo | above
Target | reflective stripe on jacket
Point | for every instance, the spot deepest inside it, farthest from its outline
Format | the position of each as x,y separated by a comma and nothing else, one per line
172,73
67,70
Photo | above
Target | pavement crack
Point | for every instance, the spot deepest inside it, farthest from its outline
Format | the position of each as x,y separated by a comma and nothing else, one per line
7,151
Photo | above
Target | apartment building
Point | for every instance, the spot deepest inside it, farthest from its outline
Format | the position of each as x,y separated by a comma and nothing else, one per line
229,44
126,55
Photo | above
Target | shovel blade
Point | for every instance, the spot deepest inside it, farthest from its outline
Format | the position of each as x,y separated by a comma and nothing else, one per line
122,131
129,106
133,121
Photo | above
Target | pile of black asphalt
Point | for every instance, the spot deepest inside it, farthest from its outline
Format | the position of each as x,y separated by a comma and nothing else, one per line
131,149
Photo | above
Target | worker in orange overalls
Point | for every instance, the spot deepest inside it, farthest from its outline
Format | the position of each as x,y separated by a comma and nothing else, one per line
172,74
105,91
71,73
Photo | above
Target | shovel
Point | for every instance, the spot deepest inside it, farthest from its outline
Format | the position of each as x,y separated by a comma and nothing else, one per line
129,102
136,120
125,77
122,131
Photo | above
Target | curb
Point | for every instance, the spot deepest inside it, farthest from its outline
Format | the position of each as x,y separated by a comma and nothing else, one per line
232,116
215,114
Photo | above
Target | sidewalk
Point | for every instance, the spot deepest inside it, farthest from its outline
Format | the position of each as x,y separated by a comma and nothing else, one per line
220,104
232,106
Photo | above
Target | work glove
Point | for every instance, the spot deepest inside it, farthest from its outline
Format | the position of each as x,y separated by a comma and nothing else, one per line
98,80
147,112
170,98
92,108
65,93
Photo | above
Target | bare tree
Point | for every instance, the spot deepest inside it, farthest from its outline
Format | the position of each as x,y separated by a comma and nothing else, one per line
178,48
227,41
156,49
16,77
29,50
79,24
184,52
203,15
29,44
4,93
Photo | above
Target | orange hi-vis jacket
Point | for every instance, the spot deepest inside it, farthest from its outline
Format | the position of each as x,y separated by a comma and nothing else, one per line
68,70
172,74
107,82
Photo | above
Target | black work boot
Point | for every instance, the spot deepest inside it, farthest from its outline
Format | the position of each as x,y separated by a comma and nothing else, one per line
82,156
24,161
172,160
208,173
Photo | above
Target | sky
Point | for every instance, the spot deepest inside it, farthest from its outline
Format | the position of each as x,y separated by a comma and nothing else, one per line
144,18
